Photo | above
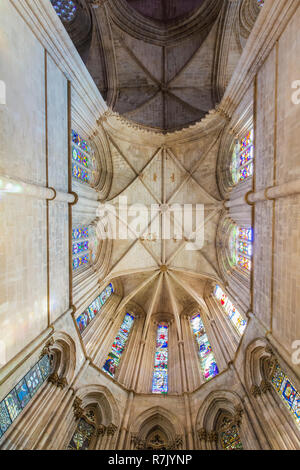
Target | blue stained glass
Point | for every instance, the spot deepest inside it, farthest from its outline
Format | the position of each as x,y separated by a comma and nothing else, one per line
80,142
65,9
160,374
5,420
207,360
45,366
87,316
22,393
13,404
287,392
34,379
80,247
80,233
77,262
114,357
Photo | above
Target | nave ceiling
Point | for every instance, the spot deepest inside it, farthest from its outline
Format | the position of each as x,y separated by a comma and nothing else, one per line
162,64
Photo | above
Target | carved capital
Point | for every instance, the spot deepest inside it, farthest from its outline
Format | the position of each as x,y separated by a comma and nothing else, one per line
101,430
265,386
202,434
47,348
255,391
213,436
111,429
78,411
53,378
62,382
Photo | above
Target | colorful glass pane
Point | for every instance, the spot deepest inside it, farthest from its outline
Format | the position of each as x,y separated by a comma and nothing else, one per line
13,404
230,439
246,156
16,400
77,262
80,233
287,392
244,262
22,392
80,247
245,248
5,420
82,437
246,141
207,360
79,173
45,366
87,316
34,379
80,157
246,234
233,314
160,374
77,140
65,9
246,172
260,3
114,357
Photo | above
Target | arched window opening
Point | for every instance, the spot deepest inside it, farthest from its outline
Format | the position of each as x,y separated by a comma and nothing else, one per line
84,432
157,440
18,398
207,359
65,9
242,158
85,318
233,314
113,360
160,374
84,164
287,391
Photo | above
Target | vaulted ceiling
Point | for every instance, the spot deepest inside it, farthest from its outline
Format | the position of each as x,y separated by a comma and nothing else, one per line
162,63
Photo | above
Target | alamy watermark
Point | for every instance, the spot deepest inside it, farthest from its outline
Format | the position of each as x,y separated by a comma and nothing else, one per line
152,223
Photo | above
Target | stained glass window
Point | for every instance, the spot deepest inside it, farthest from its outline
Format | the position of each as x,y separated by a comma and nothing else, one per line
119,344
94,308
207,359
160,374
260,3
80,247
241,247
82,436
83,160
233,314
65,9
242,158
230,438
17,399
287,392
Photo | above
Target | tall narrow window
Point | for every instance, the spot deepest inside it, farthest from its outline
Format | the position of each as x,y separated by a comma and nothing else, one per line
233,314
65,9
160,374
81,438
287,392
119,344
83,160
207,359
242,158
94,308
17,399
